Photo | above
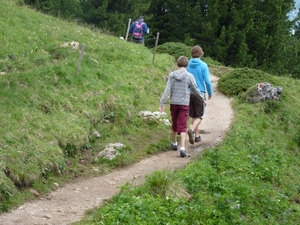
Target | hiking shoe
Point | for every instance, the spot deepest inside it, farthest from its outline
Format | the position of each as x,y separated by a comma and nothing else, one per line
174,147
197,139
182,153
191,136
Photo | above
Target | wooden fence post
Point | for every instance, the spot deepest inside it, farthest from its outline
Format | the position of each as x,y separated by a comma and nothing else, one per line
128,26
156,42
80,58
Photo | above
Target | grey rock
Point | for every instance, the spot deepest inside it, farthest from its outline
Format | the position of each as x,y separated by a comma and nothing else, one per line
263,92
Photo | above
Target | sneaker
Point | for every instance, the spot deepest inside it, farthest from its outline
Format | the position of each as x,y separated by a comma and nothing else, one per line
191,136
182,153
174,146
197,139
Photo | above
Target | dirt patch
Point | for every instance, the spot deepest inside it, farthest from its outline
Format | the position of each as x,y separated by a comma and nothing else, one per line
68,204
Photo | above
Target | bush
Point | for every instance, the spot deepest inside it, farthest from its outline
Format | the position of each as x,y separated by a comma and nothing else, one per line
175,49
238,81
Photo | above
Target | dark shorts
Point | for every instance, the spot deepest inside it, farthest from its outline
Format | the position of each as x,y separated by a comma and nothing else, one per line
180,116
197,107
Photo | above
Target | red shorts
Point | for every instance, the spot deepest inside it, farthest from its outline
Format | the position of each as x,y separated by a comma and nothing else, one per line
180,115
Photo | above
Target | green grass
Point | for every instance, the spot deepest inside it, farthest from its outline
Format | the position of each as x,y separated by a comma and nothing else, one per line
48,113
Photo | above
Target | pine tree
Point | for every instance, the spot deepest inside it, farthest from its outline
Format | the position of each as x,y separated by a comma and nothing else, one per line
236,33
168,19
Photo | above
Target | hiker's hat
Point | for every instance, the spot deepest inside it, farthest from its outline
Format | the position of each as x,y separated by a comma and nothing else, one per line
141,17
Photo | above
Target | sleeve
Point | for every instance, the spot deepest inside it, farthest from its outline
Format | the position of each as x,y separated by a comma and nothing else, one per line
145,28
166,92
207,81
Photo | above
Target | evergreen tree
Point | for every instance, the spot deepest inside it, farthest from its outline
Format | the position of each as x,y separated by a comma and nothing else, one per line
168,19
292,56
236,33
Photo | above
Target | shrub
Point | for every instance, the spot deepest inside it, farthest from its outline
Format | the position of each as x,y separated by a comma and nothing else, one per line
175,49
238,81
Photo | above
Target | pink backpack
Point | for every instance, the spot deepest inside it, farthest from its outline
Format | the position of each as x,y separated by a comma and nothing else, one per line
137,33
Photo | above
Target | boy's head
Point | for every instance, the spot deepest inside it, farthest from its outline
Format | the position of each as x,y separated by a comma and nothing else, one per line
182,61
197,51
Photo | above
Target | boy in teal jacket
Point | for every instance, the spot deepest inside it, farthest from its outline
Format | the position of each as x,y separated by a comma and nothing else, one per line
200,71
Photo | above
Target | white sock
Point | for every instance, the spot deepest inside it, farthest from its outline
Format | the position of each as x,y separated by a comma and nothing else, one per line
182,149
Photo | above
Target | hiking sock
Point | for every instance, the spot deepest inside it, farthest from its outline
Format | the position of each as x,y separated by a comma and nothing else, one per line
174,146
182,152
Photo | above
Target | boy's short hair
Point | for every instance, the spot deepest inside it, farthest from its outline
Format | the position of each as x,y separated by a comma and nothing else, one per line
182,61
197,51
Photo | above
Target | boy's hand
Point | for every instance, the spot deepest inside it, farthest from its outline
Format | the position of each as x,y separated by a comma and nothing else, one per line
161,108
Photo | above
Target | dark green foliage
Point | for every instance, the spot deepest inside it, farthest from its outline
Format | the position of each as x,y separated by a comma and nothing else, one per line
240,34
297,29
292,52
5,195
272,106
70,150
169,19
175,49
162,145
238,81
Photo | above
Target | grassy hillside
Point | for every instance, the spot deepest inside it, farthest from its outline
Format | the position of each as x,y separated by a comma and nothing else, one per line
48,111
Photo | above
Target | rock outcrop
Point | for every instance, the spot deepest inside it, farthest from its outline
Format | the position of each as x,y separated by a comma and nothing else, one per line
263,92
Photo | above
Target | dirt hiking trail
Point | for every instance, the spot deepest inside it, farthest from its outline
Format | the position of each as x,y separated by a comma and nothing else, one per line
68,204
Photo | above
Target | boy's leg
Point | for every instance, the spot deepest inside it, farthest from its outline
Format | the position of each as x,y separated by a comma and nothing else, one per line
174,136
195,125
182,140
174,115
196,112
182,127
174,141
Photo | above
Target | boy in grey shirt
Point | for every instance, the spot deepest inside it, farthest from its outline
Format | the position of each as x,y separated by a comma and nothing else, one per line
179,86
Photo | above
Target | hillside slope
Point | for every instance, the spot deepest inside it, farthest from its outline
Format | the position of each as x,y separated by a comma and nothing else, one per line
50,104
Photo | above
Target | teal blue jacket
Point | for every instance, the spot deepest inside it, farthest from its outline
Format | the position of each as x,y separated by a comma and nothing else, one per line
201,73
